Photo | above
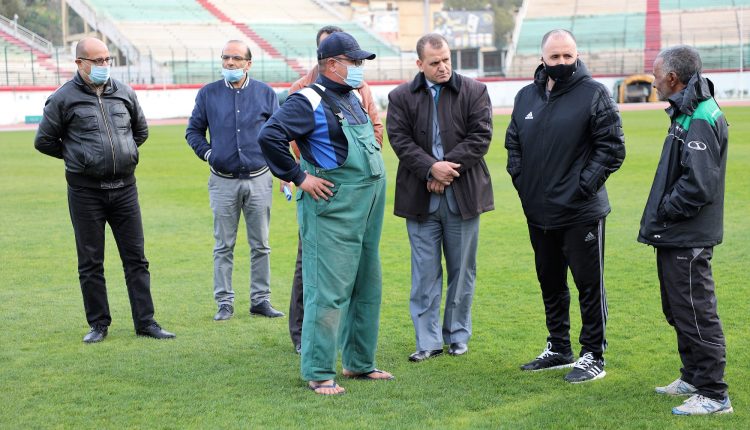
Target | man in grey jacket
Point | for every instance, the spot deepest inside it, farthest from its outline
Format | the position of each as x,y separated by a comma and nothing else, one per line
95,125
683,221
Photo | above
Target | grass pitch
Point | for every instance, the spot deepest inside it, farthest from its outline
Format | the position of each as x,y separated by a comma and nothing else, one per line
243,373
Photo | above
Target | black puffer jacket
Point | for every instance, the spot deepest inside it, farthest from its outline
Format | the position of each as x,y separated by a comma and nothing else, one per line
96,136
685,208
562,149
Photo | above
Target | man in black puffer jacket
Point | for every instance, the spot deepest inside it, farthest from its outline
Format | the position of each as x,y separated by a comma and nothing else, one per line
95,125
683,221
564,139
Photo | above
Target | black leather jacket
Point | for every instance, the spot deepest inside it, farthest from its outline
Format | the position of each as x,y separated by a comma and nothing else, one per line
96,136
562,148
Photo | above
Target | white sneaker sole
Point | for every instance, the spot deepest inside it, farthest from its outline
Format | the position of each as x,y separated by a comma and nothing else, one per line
562,366
599,376
729,410
667,393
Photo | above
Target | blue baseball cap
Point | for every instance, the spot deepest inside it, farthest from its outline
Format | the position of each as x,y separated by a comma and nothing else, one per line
341,43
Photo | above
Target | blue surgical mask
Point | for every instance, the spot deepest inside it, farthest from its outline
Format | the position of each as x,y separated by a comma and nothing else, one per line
232,75
99,74
354,76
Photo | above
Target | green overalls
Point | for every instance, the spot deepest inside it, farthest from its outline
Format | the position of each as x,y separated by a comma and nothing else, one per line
341,262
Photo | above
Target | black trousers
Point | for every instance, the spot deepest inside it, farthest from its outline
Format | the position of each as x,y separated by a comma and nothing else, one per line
688,300
580,248
90,209
296,302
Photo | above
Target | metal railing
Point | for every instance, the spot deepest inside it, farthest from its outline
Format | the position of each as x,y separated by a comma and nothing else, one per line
20,32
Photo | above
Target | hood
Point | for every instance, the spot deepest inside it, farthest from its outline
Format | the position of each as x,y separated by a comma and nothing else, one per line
697,90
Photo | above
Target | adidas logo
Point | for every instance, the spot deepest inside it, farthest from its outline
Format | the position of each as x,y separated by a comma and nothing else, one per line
589,237
530,115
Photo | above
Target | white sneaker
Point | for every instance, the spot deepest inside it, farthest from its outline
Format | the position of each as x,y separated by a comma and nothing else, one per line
677,388
700,405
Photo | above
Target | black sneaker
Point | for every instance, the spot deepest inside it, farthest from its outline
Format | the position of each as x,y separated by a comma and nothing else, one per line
587,368
549,359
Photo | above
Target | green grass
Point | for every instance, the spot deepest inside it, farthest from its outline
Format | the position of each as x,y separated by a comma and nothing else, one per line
243,373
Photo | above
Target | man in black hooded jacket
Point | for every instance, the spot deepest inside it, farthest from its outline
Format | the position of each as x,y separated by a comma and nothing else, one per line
683,221
564,139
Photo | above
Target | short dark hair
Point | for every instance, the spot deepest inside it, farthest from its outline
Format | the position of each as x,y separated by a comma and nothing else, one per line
557,31
435,40
248,54
683,60
328,29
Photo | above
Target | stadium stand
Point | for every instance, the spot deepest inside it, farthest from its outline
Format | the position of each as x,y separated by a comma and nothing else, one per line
279,12
29,59
624,37
182,39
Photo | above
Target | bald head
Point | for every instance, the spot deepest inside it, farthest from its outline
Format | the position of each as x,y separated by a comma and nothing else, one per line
85,46
560,35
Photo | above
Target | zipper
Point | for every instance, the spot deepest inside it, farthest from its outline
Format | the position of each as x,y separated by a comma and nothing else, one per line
109,134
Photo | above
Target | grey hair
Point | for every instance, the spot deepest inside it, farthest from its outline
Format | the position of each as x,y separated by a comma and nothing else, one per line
557,31
683,60
434,39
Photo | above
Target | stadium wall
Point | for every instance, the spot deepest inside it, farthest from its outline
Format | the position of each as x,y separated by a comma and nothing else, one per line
160,102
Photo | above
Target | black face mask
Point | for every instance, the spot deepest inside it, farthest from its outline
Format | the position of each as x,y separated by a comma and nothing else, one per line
561,72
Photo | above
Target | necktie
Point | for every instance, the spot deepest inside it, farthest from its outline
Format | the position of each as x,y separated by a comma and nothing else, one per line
436,95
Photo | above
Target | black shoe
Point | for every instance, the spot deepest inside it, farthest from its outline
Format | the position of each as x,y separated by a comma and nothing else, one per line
298,348
549,359
155,331
225,312
458,349
265,309
424,355
587,368
96,334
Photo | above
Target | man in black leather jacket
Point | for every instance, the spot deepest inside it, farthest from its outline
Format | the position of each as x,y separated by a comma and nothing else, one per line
95,125
564,140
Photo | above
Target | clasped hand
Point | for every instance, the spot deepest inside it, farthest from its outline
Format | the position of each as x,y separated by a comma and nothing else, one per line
443,173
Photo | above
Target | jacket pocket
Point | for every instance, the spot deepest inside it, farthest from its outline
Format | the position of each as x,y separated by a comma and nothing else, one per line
120,117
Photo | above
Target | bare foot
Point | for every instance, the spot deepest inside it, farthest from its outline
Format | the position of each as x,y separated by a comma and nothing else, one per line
374,375
327,388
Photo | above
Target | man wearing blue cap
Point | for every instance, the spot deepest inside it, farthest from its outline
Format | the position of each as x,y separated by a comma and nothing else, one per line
341,199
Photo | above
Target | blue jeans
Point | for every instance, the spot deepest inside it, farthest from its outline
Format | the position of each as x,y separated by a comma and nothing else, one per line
90,209
228,198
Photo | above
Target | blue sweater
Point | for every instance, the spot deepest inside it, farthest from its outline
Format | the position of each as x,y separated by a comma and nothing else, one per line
306,119
233,117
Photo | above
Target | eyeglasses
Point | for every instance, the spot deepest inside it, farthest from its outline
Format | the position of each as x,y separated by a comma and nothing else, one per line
356,63
234,57
98,61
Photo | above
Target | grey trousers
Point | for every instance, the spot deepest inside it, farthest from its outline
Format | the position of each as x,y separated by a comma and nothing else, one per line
457,238
228,198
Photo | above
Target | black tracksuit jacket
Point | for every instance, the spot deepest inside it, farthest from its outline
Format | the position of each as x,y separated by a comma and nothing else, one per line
561,149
